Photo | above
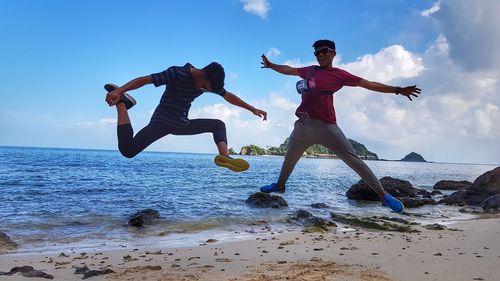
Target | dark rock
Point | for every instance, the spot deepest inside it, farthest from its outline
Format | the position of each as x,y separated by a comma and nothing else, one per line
81,270
264,200
308,220
456,198
424,193
302,214
396,187
435,226
471,210
6,243
313,229
401,189
417,202
436,192
413,157
319,222
28,271
143,217
93,273
373,222
37,273
451,185
399,220
492,204
320,206
486,185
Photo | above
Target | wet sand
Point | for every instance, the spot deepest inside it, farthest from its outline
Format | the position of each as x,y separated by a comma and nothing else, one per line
469,250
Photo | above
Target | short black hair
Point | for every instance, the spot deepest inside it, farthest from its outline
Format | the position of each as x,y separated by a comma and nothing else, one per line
215,75
324,43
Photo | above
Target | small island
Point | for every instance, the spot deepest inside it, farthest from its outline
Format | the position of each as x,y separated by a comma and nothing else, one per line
413,157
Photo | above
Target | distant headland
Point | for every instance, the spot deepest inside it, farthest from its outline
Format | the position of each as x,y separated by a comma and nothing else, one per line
319,151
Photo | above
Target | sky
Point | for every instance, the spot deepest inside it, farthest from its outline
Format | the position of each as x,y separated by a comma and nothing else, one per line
56,55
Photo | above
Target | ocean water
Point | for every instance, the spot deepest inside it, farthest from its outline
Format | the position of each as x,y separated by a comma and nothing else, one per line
53,197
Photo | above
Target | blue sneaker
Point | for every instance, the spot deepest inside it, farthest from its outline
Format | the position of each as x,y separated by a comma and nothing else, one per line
273,187
393,203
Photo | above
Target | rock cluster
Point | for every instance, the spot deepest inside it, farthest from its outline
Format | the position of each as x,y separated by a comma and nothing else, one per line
483,192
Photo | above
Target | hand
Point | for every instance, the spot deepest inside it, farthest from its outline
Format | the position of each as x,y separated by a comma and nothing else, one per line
410,91
265,62
113,97
260,113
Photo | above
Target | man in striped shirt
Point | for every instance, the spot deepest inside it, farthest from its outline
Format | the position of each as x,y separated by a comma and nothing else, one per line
183,84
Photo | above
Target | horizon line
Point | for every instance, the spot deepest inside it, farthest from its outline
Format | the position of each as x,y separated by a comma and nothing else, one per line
184,152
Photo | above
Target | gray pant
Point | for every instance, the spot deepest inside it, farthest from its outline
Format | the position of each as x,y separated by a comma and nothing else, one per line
309,131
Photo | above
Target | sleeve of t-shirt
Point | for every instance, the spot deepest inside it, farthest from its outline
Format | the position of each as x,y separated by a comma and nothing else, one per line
303,71
164,78
221,93
348,79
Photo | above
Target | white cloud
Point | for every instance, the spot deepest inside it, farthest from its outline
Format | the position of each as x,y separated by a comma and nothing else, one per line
394,115
298,63
486,118
457,109
431,10
244,128
282,103
388,64
216,111
273,52
108,121
472,29
257,7
103,121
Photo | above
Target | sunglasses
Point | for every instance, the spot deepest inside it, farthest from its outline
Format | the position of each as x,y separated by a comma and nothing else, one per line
323,51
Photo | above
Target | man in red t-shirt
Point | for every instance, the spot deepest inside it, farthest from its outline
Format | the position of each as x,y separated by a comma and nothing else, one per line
317,122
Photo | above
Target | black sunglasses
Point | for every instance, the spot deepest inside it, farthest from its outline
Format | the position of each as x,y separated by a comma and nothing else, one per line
323,51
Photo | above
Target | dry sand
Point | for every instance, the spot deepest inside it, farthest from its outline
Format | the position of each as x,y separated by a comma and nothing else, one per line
472,252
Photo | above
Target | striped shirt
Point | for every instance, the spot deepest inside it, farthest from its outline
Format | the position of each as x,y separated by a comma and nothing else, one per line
180,92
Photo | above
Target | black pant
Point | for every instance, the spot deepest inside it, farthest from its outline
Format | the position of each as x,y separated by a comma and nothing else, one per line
130,146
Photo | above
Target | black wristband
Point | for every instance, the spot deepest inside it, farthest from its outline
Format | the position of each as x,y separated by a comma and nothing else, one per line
398,90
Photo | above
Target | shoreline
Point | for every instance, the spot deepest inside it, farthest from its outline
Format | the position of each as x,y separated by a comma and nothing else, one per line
472,253
157,234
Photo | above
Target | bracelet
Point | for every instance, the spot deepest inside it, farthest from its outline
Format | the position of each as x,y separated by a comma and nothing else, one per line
398,90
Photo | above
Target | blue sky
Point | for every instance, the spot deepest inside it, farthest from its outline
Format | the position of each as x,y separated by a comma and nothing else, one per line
56,55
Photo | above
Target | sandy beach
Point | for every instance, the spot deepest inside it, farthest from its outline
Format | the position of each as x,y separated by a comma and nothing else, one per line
467,250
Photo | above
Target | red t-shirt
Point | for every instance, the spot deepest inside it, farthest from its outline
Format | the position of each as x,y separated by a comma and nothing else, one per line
316,103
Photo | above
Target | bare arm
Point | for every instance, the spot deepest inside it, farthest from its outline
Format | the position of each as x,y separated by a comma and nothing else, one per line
113,96
235,100
283,69
379,87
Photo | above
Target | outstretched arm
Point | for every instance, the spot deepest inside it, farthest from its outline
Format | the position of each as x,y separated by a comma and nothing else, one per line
113,96
233,99
283,69
379,87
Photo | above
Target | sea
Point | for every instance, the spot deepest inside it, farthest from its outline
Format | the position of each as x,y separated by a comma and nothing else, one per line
54,199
